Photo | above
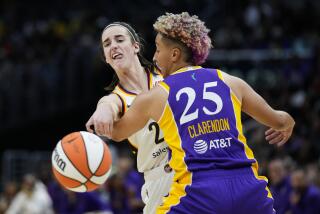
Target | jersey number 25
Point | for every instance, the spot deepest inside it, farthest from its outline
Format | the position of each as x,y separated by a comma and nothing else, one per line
206,95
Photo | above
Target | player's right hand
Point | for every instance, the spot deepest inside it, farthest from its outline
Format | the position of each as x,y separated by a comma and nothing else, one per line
102,120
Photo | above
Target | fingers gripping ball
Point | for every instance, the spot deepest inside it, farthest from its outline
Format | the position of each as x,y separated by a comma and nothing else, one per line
81,161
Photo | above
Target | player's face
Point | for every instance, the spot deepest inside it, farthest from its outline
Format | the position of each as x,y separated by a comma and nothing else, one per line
162,55
118,48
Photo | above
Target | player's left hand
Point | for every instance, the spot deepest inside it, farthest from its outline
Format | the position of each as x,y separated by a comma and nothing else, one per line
278,137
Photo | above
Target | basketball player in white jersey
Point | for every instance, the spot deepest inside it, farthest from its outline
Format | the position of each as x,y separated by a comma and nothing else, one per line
121,47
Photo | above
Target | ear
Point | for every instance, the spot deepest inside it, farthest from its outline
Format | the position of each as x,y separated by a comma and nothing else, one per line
136,47
176,54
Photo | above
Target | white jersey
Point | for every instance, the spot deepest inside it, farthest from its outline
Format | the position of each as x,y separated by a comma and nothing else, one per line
149,141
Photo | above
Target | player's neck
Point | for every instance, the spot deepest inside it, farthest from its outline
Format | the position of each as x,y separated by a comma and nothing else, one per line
134,79
179,65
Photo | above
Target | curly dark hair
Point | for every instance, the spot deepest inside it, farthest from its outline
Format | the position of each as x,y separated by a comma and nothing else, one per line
189,30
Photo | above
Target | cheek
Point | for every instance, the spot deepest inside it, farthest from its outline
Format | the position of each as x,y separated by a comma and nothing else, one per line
163,58
106,55
128,50
157,56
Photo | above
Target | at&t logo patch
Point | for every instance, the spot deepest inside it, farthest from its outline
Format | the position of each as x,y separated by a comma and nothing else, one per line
200,146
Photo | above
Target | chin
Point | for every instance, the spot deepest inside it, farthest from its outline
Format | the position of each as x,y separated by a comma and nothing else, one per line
120,66
162,72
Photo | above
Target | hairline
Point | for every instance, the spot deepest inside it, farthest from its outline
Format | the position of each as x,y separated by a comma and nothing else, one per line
127,29
176,43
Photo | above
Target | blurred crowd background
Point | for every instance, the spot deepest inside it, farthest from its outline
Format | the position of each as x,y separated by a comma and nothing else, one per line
52,75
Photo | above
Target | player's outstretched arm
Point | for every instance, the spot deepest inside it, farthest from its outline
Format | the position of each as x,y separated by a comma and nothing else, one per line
281,123
146,106
107,111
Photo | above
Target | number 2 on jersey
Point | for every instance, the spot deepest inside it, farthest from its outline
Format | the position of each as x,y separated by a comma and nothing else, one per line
206,95
157,128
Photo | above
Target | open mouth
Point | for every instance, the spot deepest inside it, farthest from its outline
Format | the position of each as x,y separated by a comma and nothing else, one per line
117,56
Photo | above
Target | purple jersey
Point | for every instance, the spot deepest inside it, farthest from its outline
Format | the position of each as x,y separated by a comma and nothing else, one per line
202,126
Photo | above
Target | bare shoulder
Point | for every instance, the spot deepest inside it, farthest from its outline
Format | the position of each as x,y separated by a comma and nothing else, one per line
159,91
157,96
236,84
114,97
230,79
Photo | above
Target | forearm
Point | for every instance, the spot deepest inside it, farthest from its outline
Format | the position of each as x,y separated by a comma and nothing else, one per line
133,120
110,103
126,126
111,108
107,111
118,133
255,106
104,99
285,121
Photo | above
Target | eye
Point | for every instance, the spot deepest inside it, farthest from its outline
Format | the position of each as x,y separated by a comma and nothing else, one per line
120,40
106,44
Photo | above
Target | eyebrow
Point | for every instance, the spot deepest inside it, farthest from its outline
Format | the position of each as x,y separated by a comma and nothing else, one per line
116,36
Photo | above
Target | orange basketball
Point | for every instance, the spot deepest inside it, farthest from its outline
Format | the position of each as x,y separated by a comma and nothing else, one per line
81,161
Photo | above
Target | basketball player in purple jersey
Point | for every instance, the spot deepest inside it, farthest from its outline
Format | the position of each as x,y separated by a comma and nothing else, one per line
199,111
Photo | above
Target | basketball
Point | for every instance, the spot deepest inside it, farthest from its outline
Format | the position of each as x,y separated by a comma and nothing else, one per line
81,161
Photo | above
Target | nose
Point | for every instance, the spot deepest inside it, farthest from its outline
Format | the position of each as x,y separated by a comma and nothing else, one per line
154,58
113,45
